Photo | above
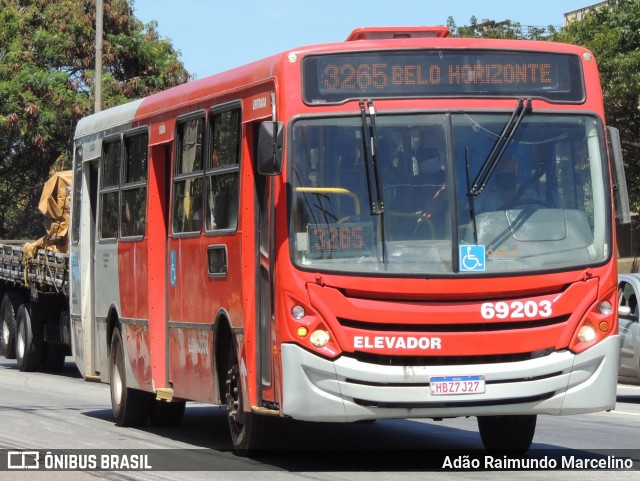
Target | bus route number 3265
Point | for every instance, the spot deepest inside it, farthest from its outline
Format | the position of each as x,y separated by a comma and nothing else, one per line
516,309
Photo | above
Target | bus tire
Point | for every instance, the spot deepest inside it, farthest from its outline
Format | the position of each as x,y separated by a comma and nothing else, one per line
164,413
54,357
29,341
507,433
249,431
8,310
130,406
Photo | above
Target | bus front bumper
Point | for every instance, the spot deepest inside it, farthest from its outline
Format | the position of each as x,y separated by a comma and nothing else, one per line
347,390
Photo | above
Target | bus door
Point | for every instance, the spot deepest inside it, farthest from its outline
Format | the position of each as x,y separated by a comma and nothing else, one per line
157,233
265,288
191,295
105,281
92,168
261,107
85,185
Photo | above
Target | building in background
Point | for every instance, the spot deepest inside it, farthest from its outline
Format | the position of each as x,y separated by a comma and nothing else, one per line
576,15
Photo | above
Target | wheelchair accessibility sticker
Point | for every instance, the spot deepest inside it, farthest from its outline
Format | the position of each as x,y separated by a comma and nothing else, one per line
173,273
472,258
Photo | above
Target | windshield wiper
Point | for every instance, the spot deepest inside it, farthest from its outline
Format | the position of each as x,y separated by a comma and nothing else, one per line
472,207
499,147
372,167
370,140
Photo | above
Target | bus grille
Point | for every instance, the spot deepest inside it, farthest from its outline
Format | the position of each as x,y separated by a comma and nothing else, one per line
386,360
460,327
454,404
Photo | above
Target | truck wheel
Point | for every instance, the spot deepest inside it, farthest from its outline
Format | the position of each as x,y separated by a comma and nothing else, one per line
8,325
249,431
130,406
507,433
164,413
29,341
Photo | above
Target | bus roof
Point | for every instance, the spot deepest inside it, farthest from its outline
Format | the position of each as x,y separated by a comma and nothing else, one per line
107,119
380,33
260,71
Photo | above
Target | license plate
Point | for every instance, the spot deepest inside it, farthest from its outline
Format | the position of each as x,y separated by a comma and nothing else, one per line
452,385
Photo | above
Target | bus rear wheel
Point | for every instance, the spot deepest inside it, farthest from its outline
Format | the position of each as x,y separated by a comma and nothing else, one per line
163,413
130,406
507,433
249,431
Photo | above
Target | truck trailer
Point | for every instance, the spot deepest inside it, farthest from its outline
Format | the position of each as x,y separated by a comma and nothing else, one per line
34,313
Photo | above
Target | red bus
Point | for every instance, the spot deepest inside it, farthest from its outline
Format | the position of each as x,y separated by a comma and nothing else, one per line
401,225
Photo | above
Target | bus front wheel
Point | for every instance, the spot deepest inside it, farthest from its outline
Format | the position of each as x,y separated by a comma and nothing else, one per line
507,433
249,431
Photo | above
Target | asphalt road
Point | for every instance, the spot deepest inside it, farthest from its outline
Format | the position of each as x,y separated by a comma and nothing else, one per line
70,418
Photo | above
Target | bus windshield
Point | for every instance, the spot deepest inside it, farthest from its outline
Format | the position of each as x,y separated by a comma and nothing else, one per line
544,206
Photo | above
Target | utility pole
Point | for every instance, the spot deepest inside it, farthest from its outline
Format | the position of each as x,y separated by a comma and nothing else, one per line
98,68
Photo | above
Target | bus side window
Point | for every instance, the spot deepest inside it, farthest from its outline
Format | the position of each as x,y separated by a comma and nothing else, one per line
188,180
223,171
134,186
109,181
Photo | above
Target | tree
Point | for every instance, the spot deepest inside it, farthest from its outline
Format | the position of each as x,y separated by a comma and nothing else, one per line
504,29
613,35
46,78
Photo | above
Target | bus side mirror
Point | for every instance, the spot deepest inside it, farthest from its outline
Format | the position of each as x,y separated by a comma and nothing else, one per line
621,197
270,144
624,311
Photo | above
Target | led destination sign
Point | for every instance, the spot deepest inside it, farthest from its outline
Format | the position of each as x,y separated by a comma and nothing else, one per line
336,78
342,240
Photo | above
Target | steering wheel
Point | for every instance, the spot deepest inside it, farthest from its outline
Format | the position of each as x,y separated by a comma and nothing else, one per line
409,225
424,225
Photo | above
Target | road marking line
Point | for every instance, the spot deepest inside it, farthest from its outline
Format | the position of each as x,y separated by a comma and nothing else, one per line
604,413
628,386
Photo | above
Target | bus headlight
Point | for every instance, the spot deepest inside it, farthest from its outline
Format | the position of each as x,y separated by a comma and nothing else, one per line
319,338
297,312
605,308
586,333
597,324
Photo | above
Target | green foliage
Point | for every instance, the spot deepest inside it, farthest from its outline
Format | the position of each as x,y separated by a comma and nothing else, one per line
505,29
47,51
613,35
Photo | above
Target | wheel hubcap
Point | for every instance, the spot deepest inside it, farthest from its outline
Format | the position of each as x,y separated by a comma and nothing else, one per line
234,410
117,385
20,343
